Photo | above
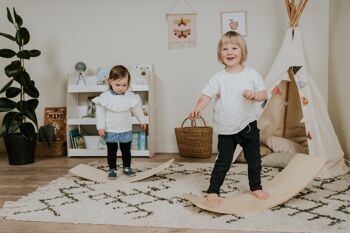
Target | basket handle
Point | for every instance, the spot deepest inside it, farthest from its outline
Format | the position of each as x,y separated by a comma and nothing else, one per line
193,121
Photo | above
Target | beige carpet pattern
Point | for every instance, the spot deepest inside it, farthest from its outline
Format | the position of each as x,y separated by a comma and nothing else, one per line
324,206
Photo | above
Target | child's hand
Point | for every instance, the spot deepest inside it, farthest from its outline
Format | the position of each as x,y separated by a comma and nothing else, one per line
101,132
143,127
193,114
249,95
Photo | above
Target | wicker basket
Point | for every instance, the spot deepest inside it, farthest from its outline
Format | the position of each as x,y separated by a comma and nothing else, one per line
56,149
195,141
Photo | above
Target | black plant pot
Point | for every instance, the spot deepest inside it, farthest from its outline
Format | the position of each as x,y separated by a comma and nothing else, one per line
20,151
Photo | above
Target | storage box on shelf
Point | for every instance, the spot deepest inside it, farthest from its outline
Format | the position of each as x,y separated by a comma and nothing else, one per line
78,116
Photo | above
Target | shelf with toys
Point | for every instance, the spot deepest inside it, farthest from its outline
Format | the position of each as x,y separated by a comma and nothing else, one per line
83,139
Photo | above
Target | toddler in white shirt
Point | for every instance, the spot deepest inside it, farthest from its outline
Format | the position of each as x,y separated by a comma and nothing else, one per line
237,87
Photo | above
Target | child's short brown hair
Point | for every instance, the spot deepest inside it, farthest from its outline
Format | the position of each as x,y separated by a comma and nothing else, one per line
232,37
119,72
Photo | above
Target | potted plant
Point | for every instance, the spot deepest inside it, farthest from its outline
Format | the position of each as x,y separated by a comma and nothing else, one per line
19,97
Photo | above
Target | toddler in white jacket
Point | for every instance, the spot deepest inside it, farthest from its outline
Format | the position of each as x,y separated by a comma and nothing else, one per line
114,121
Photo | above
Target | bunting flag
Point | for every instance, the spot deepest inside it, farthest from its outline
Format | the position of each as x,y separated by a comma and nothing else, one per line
276,91
305,101
295,69
263,104
309,136
301,84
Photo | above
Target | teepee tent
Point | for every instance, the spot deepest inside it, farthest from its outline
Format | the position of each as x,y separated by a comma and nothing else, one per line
295,109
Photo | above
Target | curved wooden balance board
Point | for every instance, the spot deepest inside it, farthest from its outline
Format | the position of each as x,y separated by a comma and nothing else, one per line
295,177
89,173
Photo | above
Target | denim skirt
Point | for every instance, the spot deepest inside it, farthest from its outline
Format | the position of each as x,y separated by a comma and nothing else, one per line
118,137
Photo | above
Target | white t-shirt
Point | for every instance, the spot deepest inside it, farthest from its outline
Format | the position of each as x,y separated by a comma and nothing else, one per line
233,112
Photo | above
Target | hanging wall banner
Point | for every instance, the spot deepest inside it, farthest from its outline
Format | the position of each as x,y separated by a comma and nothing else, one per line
182,30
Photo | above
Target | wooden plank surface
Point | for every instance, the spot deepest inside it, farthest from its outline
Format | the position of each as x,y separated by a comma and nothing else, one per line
90,173
286,184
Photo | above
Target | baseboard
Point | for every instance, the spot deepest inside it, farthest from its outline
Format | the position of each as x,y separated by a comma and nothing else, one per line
160,150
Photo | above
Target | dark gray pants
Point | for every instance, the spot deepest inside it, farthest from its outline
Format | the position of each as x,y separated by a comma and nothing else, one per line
248,138
112,149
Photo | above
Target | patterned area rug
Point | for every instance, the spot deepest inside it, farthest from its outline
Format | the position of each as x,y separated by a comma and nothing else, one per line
324,206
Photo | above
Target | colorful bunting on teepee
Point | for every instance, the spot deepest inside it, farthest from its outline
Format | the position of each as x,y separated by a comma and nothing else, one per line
308,135
295,69
263,104
301,84
305,101
276,91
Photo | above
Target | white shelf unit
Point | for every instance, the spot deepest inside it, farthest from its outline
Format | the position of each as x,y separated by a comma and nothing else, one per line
77,95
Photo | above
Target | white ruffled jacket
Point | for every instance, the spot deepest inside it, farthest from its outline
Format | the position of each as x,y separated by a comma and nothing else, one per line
113,112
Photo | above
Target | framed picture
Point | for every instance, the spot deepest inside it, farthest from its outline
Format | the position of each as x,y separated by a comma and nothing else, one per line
234,21
182,30
56,116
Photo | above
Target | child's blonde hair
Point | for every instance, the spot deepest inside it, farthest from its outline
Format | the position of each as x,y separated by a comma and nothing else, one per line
232,37
119,72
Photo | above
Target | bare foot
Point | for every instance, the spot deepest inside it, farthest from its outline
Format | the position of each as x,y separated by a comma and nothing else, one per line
260,194
213,199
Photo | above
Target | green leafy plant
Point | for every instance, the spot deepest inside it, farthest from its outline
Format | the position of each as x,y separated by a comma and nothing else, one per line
20,109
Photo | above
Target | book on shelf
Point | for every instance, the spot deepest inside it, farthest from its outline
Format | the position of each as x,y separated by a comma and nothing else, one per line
139,140
77,141
80,142
102,75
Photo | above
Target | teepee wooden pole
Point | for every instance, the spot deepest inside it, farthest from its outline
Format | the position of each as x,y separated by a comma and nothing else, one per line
286,99
301,8
285,114
292,10
295,15
288,7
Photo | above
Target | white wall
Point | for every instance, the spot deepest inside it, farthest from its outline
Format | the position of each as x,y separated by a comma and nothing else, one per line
109,32
339,81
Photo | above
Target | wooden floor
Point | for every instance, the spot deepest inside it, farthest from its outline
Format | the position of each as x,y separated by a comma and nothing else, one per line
16,181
